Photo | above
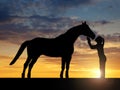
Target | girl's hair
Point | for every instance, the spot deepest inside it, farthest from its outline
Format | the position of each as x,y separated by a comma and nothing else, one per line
99,39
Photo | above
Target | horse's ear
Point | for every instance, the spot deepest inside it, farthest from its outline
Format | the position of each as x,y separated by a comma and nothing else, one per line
84,22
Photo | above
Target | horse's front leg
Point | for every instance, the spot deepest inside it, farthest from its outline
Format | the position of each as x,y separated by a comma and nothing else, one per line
67,67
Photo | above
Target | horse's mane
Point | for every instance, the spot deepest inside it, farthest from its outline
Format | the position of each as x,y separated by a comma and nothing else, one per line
67,33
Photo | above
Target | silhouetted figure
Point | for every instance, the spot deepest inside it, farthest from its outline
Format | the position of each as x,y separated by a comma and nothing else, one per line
61,46
100,48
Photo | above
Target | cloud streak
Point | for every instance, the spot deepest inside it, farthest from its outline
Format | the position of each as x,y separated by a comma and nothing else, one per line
22,28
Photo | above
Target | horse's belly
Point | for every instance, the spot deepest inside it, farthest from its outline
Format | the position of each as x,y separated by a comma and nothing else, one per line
57,52
52,53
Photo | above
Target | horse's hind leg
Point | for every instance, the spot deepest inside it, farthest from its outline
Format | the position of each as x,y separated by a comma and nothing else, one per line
25,66
62,68
31,65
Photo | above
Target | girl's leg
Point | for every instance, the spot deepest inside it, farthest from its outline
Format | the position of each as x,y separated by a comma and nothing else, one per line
102,68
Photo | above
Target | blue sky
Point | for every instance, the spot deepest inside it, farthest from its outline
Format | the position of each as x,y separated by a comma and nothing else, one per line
50,18
102,10
84,9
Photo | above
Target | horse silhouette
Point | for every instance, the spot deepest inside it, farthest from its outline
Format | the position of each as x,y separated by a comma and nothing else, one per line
60,46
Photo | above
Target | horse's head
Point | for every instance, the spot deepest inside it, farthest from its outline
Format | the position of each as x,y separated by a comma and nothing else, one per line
87,31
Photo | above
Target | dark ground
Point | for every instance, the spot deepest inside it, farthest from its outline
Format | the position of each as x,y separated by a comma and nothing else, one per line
60,84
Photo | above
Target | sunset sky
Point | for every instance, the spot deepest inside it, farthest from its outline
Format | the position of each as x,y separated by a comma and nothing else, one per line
21,20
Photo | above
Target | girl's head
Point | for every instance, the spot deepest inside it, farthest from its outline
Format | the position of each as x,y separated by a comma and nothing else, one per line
99,39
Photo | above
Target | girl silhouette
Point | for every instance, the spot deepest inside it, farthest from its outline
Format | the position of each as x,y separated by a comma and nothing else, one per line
100,48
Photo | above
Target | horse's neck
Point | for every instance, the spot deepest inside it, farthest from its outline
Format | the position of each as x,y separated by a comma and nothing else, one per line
74,33
71,35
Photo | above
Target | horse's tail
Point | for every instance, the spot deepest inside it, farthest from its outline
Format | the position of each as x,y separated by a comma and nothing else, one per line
21,49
